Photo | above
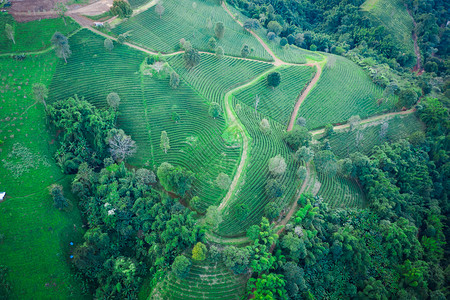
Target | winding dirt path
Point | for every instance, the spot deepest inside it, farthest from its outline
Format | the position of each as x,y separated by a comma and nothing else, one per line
304,94
418,66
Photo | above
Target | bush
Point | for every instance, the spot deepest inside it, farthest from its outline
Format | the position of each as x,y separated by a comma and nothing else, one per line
181,266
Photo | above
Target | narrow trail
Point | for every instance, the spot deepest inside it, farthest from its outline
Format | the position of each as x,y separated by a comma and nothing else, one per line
366,121
303,95
418,66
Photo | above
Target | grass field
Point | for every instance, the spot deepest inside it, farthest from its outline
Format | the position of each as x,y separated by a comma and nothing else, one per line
344,142
278,103
206,280
182,20
340,192
34,35
342,91
392,14
36,239
137,3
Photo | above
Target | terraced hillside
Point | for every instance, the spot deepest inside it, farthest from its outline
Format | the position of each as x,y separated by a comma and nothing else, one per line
186,20
278,103
340,192
342,91
392,14
399,127
206,280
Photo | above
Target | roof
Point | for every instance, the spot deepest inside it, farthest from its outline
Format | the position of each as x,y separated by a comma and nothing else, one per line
2,195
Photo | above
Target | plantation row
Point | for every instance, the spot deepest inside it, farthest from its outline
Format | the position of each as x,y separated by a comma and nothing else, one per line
393,15
137,3
278,103
186,20
342,91
342,192
34,35
206,280
251,191
344,142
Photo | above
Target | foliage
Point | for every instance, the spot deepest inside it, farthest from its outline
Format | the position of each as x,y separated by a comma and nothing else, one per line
121,8
199,251
191,58
61,45
113,100
109,45
59,201
175,179
181,266
223,181
219,30
269,286
297,137
274,79
277,165
215,110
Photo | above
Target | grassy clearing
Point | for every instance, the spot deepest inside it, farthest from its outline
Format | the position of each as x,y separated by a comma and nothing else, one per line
342,91
182,20
343,143
278,103
392,14
36,235
34,35
206,280
340,192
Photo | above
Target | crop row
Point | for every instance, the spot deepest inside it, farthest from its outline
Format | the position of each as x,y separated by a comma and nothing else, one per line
251,191
278,103
206,280
342,91
185,20
344,143
341,192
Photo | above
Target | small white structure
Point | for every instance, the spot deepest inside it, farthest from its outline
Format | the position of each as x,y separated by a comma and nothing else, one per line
98,24
2,195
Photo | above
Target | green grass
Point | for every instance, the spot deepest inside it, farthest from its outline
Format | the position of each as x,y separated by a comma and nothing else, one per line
34,35
136,3
340,192
206,280
343,90
392,14
278,103
343,143
36,239
181,20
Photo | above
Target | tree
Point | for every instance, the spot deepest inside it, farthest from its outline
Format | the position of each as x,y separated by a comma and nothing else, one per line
113,100
301,122
274,79
181,266
109,45
277,165
219,30
40,93
121,8
223,181
61,45
191,58
59,201
297,137
384,129
199,251
214,254
144,176
305,154
212,44
61,10
301,173
159,9
165,145
283,42
215,110
274,27
257,99
329,130
213,217
354,122
326,162
271,36
252,24
209,23
245,51
219,52
121,145
267,286
272,211
121,39
274,188
174,80
195,203
237,259
407,98
345,166
175,179
291,39
264,126
10,32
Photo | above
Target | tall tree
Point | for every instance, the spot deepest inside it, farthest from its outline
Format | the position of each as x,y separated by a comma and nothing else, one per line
122,8
108,44
181,266
113,100
174,80
40,93
212,44
191,58
274,79
219,30
245,51
10,32
61,45
277,165
165,145
61,10
199,251
59,201
214,110
159,9
219,52
121,145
